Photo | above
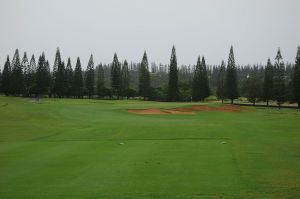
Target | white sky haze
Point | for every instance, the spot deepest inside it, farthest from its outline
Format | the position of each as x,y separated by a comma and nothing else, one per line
255,28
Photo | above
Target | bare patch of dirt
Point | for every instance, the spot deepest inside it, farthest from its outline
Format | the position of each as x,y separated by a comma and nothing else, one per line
188,111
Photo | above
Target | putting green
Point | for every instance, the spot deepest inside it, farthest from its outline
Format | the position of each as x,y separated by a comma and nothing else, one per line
64,148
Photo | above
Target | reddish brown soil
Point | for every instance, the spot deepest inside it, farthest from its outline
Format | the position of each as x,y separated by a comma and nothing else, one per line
188,111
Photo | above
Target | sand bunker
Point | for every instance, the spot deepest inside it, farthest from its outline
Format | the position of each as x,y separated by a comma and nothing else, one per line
153,111
188,111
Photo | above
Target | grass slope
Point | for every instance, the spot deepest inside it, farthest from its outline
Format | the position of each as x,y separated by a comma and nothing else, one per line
71,149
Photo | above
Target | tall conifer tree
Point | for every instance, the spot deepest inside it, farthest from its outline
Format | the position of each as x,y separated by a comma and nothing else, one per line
116,76
253,86
173,78
196,81
60,80
296,78
78,80
144,78
279,80
27,75
17,75
0,81
69,78
33,69
231,78
268,82
205,91
100,81
90,78
6,77
221,82
125,79
42,76
56,65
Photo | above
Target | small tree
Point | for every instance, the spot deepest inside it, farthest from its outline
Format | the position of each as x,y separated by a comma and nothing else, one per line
144,78
173,78
221,82
89,81
231,78
279,80
268,82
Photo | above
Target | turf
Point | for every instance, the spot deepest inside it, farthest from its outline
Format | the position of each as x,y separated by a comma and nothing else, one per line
64,148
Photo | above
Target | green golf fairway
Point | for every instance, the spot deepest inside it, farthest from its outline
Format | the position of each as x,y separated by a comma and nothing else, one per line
77,149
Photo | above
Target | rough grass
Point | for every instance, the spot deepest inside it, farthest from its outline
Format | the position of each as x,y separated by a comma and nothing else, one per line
71,149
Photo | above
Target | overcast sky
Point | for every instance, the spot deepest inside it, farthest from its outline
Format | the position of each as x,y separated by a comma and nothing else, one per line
255,28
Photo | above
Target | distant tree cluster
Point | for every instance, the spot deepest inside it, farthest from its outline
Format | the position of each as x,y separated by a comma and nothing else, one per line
279,82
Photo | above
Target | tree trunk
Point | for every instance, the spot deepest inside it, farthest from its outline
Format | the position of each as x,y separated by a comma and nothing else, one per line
298,105
231,101
222,101
267,102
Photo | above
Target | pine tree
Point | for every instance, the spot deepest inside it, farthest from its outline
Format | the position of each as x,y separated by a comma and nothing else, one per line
125,80
196,95
116,76
253,86
48,77
42,76
0,81
33,69
268,82
200,88
60,80
69,78
56,65
296,78
6,78
144,78
17,75
26,74
279,80
173,78
231,78
89,81
204,81
78,80
100,81
221,82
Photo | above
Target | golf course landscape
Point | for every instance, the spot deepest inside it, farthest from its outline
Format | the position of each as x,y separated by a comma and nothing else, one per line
81,148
